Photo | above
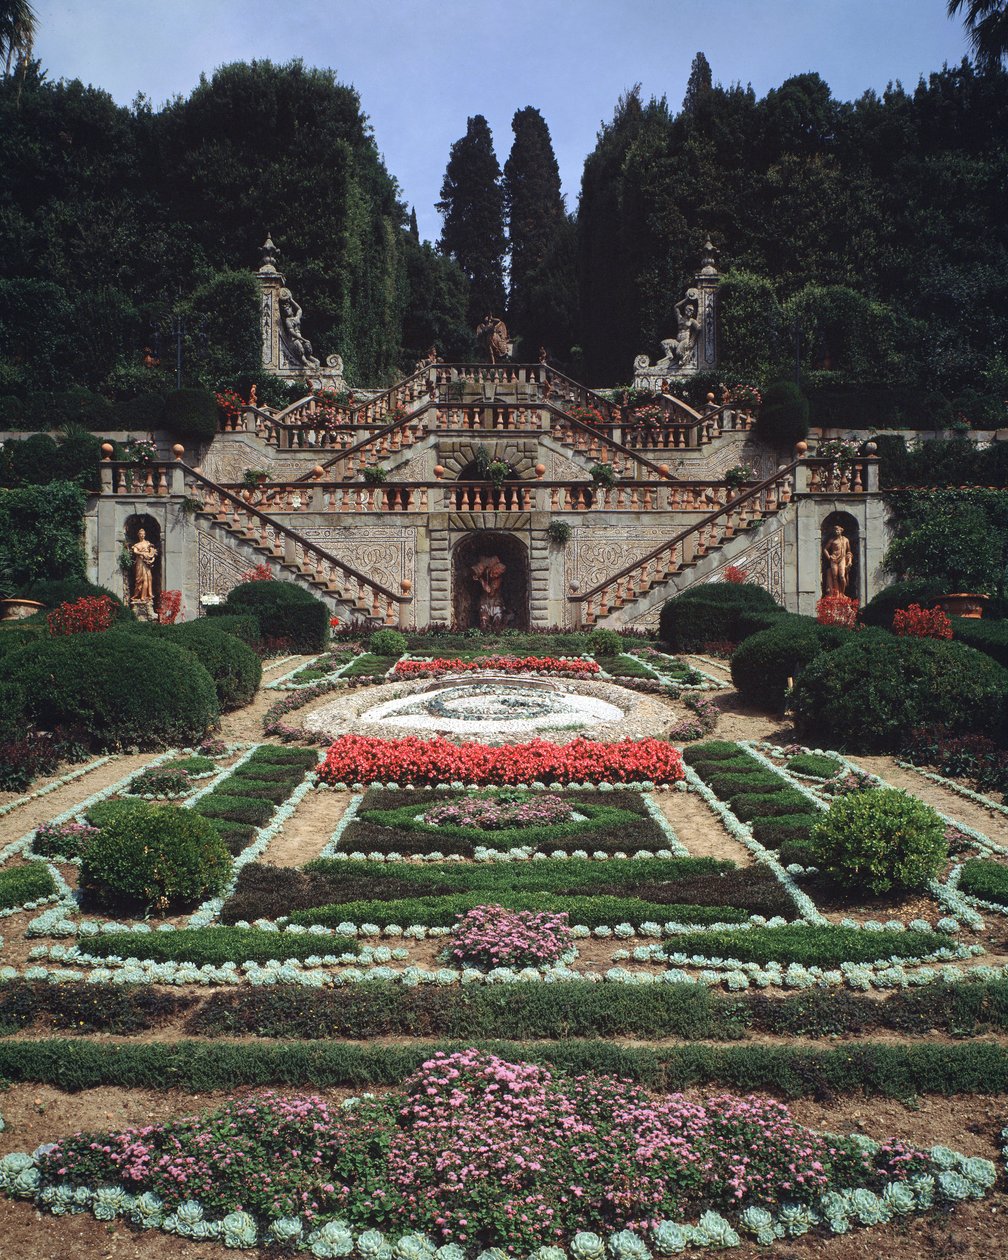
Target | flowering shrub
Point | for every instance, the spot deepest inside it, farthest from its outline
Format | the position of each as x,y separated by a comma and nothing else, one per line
975,757
334,623
90,614
490,936
501,811
737,477
732,573
921,623
168,607
232,404
62,839
411,760
261,573
705,717
744,396
158,782
648,416
837,610
38,752
588,415
572,668
480,1152
845,784
140,451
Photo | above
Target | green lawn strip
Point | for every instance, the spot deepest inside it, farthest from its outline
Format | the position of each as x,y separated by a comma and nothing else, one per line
370,666
19,884
983,878
241,809
442,911
894,1071
748,806
715,750
214,945
192,765
809,945
577,1008
624,666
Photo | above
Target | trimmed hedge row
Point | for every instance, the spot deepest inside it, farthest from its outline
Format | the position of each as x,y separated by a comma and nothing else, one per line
716,611
19,884
892,1071
216,945
287,615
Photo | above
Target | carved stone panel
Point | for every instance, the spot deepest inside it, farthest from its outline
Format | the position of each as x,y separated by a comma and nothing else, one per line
385,553
221,568
593,554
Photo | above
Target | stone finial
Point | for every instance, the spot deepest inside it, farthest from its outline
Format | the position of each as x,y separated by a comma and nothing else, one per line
178,450
107,450
871,448
405,586
800,448
318,472
270,253
540,470
707,264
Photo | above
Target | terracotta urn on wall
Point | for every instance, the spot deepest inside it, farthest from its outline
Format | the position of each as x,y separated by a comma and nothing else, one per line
963,605
16,609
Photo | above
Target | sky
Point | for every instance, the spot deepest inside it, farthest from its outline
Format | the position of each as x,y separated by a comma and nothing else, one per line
422,67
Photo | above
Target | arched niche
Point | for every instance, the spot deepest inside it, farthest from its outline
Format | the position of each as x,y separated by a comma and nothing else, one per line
152,531
852,531
466,590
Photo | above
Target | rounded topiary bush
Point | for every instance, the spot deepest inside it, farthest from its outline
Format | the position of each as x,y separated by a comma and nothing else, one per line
716,611
117,689
605,643
55,591
154,857
386,643
762,664
869,694
784,416
235,669
288,616
880,608
882,840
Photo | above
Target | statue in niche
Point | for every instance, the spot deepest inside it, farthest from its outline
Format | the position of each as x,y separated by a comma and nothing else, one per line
489,572
492,335
839,558
144,555
296,343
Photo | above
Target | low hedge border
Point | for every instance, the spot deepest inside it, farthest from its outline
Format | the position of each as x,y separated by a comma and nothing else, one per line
578,1009
19,885
869,1068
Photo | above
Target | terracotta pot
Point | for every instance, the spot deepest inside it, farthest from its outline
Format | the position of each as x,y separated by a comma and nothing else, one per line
16,609
963,605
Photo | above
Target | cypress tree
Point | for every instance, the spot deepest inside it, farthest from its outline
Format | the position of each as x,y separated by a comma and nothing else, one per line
472,205
534,208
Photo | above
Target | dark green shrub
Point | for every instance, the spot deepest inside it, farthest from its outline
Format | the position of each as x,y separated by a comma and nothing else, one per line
713,611
605,643
235,669
233,808
716,750
144,412
19,884
785,801
285,613
191,415
53,592
243,626
736,781
773,832
880,839
154,856
985,879
217,945
796,848
32,461
989,637
870,693
762,664
880,608
954,545
811,946
40,532
783,418
817,765
387,643
117,689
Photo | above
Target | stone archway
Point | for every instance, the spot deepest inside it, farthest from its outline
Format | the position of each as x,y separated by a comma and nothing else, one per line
152,531
850,527
513,554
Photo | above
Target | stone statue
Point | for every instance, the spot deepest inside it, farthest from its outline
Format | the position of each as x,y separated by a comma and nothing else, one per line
144,555
492,335
680,350
297,344
840,559
489,572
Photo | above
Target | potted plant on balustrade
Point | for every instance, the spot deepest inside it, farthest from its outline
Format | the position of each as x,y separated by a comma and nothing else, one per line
945,540
736,477
603,475
254,477
375,475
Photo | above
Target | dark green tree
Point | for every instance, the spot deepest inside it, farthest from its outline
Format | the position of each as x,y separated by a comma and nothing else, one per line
472,205
987,24
698,86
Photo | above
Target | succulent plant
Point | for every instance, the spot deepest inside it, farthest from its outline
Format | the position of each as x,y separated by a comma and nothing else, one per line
587,1246
899,1197
796,1219
714,1231
370,1243
953,1186
108,1202
668,1238
413,1247
868,1208
626,1245
147,1211
286,1229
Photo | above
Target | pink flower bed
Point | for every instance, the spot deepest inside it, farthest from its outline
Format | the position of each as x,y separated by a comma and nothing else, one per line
572,668
411,760
490,936
490,814
479,1151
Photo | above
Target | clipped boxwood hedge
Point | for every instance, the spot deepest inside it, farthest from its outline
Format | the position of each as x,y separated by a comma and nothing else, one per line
234,667
869,694
880,609
116,690
715,611
762,664
284,612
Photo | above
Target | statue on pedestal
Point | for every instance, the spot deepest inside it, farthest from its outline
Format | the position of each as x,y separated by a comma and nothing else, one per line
489,572
296,343
839,562
144,555
680,350
492,335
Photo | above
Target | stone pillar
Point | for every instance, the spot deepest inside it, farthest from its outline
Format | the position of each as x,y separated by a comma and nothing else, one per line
706,282
270,282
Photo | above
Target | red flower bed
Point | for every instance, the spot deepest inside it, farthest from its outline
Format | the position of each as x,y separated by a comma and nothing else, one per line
89,614
169,607
837,610
363,759
921,623
574,668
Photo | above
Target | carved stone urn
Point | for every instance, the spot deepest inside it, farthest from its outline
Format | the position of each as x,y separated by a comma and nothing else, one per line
962,604
16,609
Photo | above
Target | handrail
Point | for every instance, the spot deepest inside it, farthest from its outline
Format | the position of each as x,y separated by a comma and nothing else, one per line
667,400
626,451
579,597
292,534
372,437
279,418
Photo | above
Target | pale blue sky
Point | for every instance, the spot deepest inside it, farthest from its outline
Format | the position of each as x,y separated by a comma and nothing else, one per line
423,66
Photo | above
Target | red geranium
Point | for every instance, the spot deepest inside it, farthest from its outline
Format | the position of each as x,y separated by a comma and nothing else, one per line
364,759
261,573
837,610
732,573
575,667
89,614
921,623
169,606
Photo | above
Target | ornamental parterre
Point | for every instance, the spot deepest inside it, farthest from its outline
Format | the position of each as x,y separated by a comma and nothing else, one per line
412,761
478,1152
573,667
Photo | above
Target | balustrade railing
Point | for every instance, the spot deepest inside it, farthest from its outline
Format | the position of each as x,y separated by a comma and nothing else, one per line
686,546
841,476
